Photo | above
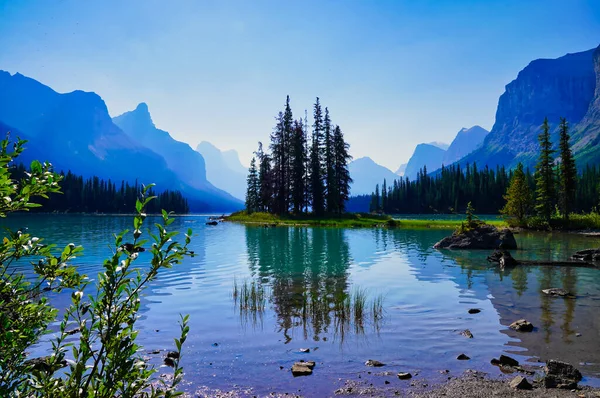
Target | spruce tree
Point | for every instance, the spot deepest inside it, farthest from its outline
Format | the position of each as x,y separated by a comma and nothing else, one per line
568,171
253,188
265,178
298,161
342,179
330,188
518,196
384,196
316,176
544,181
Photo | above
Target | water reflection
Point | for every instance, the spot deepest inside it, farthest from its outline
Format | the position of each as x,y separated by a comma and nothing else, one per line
307,270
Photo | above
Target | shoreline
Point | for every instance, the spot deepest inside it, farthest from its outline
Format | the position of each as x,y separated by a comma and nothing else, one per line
469,384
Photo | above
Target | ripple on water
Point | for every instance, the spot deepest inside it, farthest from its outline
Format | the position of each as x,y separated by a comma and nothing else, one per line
307,273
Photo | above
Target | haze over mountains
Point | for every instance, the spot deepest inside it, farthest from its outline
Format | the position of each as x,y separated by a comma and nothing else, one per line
224,169
366,174
75,132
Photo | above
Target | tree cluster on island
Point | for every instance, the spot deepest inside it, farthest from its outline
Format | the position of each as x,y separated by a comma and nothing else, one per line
301,172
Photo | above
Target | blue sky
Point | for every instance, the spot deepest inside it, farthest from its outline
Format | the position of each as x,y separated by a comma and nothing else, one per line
393,73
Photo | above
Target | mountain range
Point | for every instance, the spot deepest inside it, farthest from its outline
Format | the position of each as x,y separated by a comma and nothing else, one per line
366,174
74,131
567,87
433,155
224,169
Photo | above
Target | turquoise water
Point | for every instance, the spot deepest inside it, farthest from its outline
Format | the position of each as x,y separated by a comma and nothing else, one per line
426,295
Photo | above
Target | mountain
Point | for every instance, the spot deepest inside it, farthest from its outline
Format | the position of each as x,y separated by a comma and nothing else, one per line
441,145
553,88
465,142
232,161
75,132
428,155
366,174
224,171
401,169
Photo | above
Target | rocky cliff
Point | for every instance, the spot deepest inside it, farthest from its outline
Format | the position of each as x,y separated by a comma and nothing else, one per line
553,88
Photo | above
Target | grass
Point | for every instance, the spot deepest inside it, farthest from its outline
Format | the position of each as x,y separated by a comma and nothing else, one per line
577,222
342,310
348,220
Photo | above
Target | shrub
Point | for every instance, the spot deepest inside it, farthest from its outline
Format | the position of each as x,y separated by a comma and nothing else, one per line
105,361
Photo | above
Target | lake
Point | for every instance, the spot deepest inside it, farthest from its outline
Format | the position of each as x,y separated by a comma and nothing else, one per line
416,303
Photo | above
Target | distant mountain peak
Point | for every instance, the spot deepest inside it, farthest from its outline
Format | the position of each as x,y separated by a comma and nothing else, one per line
441,145
142,107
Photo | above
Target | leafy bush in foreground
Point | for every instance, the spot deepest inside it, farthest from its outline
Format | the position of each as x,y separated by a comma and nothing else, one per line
105,361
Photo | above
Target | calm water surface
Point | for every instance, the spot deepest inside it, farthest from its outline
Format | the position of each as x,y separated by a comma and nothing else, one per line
426,293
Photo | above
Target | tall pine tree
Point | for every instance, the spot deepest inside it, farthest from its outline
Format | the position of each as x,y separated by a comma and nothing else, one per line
330,188
252,192
568,171
298,162
316,175
544,181
342,178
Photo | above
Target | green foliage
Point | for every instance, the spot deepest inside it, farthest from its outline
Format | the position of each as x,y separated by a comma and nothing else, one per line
544,180
568,171
253,189
296,175
518,197
94,194
105,361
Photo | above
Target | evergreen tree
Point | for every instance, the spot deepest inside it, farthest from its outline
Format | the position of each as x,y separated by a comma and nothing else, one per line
545,195
316,176
342,178
298,171
253,188
330,188
265,178
384,204
377,199
568,171
518,196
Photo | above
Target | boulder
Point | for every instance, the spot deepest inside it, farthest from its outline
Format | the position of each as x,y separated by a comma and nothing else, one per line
520,383
212,223
522,325
474,310
463,357
483,236
404,376
374,363
561,375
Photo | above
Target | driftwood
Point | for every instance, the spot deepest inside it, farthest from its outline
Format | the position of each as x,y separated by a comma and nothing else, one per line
505,260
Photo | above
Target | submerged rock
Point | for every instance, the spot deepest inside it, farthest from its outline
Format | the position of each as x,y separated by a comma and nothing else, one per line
467,333
520,383
474,310
561,375
404,376
463,357
522,325
483,236
374,363
212,223
303,368
555,291
505,360
304,350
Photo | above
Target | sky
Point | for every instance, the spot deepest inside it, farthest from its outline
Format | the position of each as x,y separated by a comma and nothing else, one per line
392,73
